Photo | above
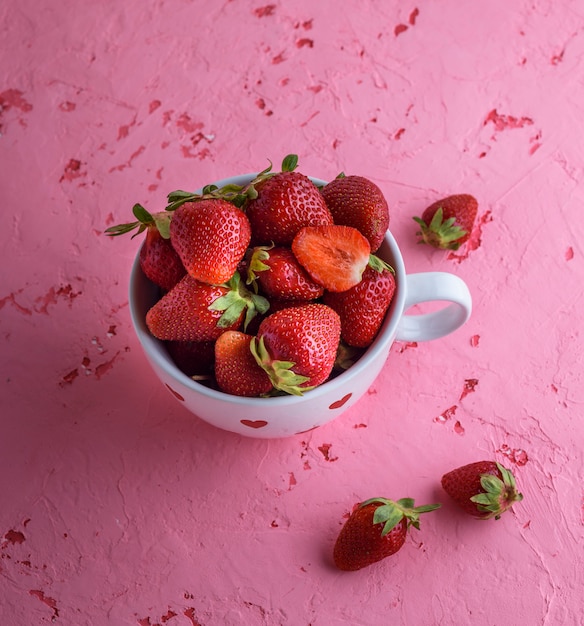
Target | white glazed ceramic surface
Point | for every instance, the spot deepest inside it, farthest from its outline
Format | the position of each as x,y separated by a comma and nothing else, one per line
290,415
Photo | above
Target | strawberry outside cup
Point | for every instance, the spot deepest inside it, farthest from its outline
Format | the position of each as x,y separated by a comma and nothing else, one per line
286,416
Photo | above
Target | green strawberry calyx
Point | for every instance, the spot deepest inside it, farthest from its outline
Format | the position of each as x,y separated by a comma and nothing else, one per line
440,233
236,300
238,195
500,494
390,513
281,374
144,220
379,264
256,264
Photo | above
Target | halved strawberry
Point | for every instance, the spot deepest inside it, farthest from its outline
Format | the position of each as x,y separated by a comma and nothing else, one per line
286,202
297,346
236,370
211,237
356,201
279,274
335,256
362,308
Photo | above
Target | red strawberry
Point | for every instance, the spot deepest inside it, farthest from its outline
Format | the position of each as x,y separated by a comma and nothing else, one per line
297,346
211,237
483,489
448,223
286,202
334,256
193,358
376,529
236,370
279,275
358,202
362,308
160,261
196,311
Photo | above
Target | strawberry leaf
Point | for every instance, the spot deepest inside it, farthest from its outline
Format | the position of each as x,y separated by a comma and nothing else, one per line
290,163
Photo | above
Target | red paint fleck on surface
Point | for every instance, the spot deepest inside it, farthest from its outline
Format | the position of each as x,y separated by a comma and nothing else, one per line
53,295
67,106
279,58
339,403
458,428
361,425
506,122
190,614
398,134
50,602
14,536
569,255
254,423
72,171
446,415
305,42
169,615
14,98
402,346
291,480
184,122
517,456
474,340
69,378
265,11
399,29
557,58
176,394
128,163
105,367
326,449
414,16
155,104
469,386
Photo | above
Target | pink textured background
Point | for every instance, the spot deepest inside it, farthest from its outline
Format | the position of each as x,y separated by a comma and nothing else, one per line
119,507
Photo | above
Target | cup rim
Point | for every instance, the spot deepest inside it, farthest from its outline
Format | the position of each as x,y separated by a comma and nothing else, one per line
140,300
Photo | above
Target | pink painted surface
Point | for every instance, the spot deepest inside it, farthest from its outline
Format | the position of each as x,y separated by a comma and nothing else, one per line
119,507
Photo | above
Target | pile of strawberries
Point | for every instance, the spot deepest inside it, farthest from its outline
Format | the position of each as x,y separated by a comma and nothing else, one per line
269,288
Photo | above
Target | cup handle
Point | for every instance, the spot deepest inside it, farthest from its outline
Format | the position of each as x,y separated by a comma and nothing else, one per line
428,287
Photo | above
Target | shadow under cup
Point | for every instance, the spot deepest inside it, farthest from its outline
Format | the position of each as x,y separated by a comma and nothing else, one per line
285,416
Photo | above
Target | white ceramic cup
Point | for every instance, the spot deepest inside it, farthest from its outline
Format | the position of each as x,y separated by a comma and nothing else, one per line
285,416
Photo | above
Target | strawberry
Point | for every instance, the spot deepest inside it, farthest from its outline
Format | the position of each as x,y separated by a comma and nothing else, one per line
358,202
448,223
211,237
193,358
279,275
196,311
484,489
376,529
236,370
334,256
362,308
297,346
285,203
160,261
